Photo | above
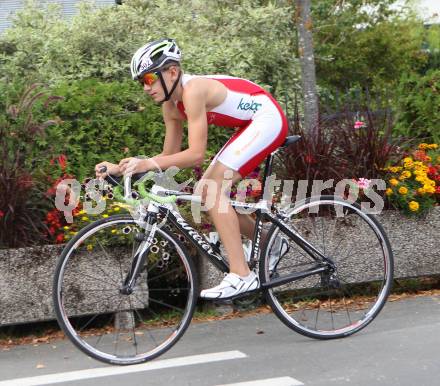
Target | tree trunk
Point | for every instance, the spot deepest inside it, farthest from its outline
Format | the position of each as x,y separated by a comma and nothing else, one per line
307,61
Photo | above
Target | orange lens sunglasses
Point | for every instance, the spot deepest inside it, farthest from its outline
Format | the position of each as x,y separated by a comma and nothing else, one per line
149,78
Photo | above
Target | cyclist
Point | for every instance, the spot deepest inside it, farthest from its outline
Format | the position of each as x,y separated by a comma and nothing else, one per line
203,100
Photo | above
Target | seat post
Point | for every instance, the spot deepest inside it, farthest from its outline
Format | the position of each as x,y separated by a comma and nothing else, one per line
267,170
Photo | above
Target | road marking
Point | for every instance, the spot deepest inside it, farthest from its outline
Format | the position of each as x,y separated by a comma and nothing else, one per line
282,381
108,371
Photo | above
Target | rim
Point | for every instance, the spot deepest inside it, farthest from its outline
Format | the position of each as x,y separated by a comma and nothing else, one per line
380,296
114,358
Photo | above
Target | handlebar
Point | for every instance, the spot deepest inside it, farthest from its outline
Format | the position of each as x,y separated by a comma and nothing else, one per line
141,178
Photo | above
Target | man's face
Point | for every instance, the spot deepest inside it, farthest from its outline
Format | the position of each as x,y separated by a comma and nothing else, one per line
155,89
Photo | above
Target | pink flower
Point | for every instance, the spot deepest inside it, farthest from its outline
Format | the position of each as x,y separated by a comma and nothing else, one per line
359,124
2,214
363,183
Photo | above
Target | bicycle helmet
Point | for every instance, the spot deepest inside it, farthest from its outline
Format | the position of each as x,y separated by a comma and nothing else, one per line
154,56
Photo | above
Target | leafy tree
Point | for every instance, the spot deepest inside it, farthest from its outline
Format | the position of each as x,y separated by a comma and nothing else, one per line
365,42
417,109
98,43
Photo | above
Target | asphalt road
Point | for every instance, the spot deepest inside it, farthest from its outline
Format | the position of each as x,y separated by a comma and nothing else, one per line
401,347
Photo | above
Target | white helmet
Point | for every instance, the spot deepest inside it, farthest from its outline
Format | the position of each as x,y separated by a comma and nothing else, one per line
153,56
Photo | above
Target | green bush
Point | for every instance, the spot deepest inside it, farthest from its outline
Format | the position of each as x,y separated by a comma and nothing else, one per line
103,121
109,121
417,110
215,36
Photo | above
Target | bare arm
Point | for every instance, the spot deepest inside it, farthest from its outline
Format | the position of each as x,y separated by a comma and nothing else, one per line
195,105
173,129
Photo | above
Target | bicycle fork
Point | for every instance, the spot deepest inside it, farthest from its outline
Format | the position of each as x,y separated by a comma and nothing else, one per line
139,256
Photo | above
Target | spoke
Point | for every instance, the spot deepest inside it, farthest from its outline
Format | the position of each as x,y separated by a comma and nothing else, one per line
100,301
288,268
300,250
92,319
121,275
94,278
146,305
106,254
322,233
134,325
300,297
148,330
169,289
331,312
164,274
158,317
111,316
167,305
316,317
313,225
346,310
103,271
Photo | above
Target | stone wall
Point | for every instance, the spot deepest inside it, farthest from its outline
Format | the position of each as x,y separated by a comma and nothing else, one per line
26,274
26,279
415,243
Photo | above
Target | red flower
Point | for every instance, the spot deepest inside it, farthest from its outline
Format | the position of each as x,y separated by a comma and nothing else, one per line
437,190
60,238
255,193
432,171
2,214
420,155
62,160
309,159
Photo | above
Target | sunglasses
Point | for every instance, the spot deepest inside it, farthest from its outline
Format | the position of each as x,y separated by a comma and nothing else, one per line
149,78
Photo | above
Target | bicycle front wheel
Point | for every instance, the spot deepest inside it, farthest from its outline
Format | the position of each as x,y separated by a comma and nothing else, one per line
122,328
341,300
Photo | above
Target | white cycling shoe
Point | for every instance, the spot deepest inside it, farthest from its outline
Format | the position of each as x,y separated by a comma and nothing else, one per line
279,248
231,286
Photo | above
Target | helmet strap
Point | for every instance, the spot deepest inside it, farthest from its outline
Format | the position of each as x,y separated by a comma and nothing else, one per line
165,89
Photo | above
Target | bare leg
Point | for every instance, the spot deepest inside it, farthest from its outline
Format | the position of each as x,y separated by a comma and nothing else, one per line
225,218
247,227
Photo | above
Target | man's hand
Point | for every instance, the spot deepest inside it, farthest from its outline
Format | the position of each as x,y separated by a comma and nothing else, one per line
130,166
112,169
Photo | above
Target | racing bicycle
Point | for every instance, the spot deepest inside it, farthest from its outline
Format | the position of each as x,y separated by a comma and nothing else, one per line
126,286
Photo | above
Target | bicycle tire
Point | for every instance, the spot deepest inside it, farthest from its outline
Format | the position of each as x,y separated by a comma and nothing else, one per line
140,326
327,306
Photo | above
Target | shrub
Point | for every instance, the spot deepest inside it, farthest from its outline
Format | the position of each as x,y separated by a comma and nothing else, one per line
417,110
22,187
342,149
220,37
108,121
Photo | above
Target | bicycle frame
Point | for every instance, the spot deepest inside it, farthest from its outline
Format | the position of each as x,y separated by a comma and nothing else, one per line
211,252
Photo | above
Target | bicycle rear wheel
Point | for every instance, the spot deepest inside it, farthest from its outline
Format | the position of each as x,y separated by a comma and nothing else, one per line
99,319
339,301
